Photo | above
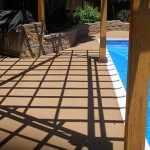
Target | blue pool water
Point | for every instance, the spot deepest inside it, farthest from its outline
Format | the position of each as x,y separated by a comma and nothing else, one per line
118,50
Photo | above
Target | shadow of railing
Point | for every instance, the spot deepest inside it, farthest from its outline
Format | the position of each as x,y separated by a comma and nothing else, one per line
76,79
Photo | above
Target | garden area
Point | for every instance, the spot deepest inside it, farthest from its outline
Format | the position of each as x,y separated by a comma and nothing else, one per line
89,12
63,14
64,23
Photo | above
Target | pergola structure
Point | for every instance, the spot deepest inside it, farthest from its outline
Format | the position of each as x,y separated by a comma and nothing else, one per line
41,12
138,70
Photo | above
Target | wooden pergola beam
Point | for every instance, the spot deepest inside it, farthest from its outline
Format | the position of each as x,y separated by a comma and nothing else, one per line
103,30
41,13
138,75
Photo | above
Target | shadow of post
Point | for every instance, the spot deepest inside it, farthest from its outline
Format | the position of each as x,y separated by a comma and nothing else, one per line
93,142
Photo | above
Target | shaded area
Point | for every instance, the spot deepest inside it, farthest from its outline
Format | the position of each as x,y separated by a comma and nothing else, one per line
56,15
55,11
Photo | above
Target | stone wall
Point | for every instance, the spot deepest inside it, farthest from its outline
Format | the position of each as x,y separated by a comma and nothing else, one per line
117,25
31,40
32,43
82,30
59,41
25,43
93,28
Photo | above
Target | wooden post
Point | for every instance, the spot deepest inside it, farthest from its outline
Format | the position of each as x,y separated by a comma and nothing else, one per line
103,58
138,75
41,13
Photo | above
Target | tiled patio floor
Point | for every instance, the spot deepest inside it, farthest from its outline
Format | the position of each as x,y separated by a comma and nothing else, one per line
63,101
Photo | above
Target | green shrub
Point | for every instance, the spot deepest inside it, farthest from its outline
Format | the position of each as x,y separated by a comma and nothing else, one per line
123,15
87,14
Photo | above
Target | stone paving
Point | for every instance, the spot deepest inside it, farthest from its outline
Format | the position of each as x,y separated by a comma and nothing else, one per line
59,101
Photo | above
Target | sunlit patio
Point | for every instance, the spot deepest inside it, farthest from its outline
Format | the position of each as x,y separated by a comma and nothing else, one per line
60,101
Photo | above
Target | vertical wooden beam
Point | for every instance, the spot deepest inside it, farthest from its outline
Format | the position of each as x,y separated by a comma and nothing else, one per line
103,31
41,12
138,75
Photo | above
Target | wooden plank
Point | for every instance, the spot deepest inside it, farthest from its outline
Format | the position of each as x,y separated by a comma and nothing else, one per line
41,13
103,31
32,25
138,75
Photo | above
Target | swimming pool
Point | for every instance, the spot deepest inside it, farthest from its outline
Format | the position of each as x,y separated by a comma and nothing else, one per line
118,49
